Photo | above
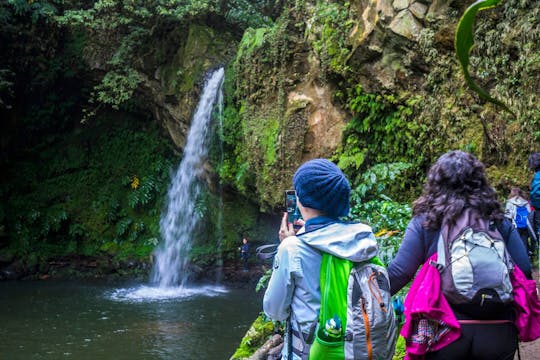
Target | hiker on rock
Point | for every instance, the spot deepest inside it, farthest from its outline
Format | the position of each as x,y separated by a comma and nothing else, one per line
319,260
459,223
244,254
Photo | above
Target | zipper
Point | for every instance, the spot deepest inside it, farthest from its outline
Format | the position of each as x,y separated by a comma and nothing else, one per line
375,290
368,330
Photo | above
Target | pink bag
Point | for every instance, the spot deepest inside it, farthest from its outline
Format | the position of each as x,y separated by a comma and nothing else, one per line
527,306
430,323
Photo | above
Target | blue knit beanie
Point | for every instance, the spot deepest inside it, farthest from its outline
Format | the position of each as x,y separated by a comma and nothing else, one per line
322,186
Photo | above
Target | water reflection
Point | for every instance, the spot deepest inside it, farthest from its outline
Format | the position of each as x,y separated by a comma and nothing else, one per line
55,320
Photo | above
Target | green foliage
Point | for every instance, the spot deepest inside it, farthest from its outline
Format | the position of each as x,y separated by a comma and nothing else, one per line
252,40
247,13
464,41
127,28
256,336
35,57
262,67
382,130
258,63
387,217
377,180
37,10
269,142
78,194
117,88
263,280
234,168
400,349
145,192
331,27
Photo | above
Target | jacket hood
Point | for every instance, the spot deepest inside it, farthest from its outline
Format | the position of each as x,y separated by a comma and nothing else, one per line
354,242
518,201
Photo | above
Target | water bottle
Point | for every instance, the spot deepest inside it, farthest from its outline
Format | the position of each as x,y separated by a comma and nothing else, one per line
332,330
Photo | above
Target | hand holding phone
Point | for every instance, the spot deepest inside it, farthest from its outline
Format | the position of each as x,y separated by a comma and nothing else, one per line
293,213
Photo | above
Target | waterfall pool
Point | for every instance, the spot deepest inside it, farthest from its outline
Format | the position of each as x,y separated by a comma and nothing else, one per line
99,320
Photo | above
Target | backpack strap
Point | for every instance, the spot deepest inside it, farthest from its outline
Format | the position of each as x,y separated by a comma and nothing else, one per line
441,258
298,337
533,233
333,283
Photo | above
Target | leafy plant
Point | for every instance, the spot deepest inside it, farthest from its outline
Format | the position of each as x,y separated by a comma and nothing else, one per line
135,25
259,332
377,179
263,280
144,192
464,41
369,204
332,26
38,10
381,130
77,193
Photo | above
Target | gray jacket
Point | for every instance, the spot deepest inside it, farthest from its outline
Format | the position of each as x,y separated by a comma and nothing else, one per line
293,290
511,206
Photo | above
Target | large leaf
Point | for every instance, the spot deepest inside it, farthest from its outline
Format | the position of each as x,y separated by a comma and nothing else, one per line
464,42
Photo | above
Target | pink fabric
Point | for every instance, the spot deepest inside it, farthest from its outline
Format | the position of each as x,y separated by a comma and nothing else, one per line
426,305
527,306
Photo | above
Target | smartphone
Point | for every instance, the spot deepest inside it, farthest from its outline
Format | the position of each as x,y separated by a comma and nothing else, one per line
293,213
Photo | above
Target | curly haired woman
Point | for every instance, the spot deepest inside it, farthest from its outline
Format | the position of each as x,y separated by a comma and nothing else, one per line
456,183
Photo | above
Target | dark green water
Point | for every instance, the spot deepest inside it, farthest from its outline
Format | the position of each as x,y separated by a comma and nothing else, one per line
92,320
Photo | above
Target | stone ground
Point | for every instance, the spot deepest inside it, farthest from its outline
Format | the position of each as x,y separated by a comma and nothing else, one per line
529,351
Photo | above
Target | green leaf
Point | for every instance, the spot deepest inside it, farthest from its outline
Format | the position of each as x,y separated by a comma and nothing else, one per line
464,42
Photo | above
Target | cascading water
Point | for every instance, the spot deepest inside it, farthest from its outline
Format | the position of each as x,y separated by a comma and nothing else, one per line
219,230
179,220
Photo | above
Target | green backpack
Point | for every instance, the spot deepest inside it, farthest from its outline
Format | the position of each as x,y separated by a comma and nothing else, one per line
356,319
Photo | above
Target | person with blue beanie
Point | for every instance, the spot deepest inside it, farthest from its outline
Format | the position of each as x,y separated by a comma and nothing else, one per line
321,185
293,292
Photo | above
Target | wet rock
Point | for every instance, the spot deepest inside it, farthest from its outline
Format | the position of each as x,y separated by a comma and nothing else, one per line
14,271
6,274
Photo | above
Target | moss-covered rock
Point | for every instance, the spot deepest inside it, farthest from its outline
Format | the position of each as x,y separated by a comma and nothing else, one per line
404,53
259,332
180,62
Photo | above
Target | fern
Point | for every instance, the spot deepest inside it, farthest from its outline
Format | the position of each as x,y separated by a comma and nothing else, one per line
122,226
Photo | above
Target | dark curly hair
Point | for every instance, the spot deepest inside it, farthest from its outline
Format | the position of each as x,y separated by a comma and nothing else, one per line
456,181
534,161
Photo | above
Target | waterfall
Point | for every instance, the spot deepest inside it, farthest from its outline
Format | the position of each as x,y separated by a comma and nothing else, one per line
219,230
181,216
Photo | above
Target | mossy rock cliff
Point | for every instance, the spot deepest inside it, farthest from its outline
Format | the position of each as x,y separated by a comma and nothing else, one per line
373,82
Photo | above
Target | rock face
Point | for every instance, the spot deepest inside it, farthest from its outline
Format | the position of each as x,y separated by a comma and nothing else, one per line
172,73
400,49
290,83
324,119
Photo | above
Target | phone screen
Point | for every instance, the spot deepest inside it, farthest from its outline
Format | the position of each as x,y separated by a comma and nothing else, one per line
293,213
